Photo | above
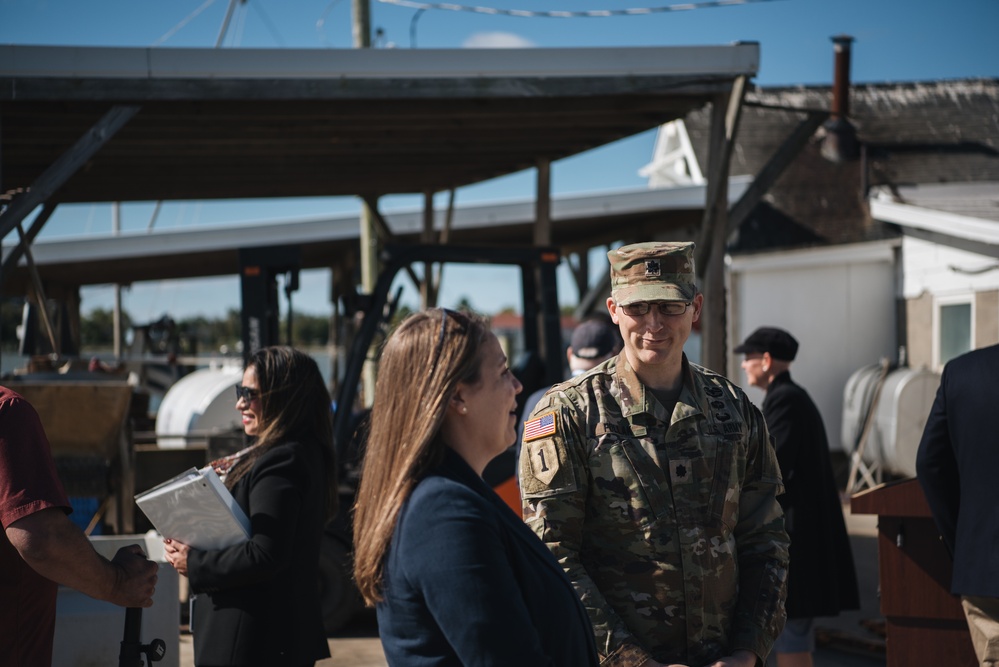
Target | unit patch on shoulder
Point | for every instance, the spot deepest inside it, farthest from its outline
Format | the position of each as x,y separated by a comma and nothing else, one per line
544,460
539,427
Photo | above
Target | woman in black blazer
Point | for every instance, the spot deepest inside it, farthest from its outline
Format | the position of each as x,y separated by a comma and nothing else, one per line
257,603
456,576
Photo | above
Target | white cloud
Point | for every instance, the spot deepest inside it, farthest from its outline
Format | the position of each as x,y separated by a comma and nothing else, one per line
497,40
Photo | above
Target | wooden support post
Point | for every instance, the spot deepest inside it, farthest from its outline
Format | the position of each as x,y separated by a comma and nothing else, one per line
542,237
14,256
116,335
581,272
443,239
428,297
713,314
361,29
369,276
383,233
710,251
24,243
36,281
542,205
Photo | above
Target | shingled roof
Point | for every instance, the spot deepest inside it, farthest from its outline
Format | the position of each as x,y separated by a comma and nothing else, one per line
909,133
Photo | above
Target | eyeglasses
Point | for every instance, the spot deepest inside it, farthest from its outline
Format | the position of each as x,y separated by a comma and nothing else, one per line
248,394
641,308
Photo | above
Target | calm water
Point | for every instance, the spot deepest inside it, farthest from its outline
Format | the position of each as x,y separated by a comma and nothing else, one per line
11,361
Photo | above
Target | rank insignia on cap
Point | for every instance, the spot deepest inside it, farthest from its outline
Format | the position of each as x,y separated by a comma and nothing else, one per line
652,268
540,427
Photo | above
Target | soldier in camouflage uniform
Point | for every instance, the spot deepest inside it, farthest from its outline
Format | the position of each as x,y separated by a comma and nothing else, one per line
654,483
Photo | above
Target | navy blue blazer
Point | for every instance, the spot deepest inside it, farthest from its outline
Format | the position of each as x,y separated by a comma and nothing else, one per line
468,583
958,467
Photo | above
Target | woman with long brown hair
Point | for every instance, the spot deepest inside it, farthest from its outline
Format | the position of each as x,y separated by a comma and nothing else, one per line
455,575
257,603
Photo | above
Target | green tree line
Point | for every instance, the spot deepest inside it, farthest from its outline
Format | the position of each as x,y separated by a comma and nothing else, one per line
199,333
210,334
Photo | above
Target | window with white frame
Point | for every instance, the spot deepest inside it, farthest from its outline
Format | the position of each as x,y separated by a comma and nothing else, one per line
954,328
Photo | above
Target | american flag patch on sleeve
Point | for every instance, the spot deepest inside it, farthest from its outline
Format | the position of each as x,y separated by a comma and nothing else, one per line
540,427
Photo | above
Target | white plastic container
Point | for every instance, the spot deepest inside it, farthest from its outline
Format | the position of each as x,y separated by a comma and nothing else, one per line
88,632
198,405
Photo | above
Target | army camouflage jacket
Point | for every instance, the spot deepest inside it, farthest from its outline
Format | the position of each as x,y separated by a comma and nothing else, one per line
667,525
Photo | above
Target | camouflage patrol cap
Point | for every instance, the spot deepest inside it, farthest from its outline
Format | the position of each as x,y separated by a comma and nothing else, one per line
652,271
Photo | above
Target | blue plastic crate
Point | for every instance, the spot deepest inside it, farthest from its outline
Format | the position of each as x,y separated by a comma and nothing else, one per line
84,508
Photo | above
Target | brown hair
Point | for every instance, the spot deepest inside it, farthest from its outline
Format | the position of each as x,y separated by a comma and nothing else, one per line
294,406
421,365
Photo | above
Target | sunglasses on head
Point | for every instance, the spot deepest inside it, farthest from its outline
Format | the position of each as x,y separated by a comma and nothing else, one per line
248,394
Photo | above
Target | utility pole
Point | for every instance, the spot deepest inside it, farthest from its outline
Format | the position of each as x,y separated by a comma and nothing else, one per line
361,14
117,315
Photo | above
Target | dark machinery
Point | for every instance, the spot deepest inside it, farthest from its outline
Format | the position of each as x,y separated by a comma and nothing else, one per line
258,272
132,648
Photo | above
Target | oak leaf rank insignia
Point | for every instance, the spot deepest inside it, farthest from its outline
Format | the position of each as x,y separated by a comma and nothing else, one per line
679,471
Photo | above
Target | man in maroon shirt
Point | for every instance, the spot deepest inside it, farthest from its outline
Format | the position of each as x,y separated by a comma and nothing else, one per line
40,547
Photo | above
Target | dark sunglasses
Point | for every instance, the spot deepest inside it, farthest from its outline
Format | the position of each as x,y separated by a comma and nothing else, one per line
248,394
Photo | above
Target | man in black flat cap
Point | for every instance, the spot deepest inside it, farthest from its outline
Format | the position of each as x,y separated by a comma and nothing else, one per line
821,576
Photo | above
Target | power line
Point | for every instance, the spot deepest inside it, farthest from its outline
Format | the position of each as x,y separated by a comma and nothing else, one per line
268,23
595,13
172,31
321,22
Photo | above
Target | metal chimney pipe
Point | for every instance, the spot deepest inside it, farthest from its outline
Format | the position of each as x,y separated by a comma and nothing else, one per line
841,77
840,141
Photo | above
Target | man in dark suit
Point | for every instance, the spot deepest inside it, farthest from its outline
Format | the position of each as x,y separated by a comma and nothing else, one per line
958,466
822,580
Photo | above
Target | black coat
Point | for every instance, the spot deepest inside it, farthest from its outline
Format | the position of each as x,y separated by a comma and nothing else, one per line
958,466
822,580
258,602
468,583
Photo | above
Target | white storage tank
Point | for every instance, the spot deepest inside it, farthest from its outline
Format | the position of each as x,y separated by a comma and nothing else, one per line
199,404
899,418
857,396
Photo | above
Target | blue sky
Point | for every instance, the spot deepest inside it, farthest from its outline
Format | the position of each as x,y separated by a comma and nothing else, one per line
896,40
